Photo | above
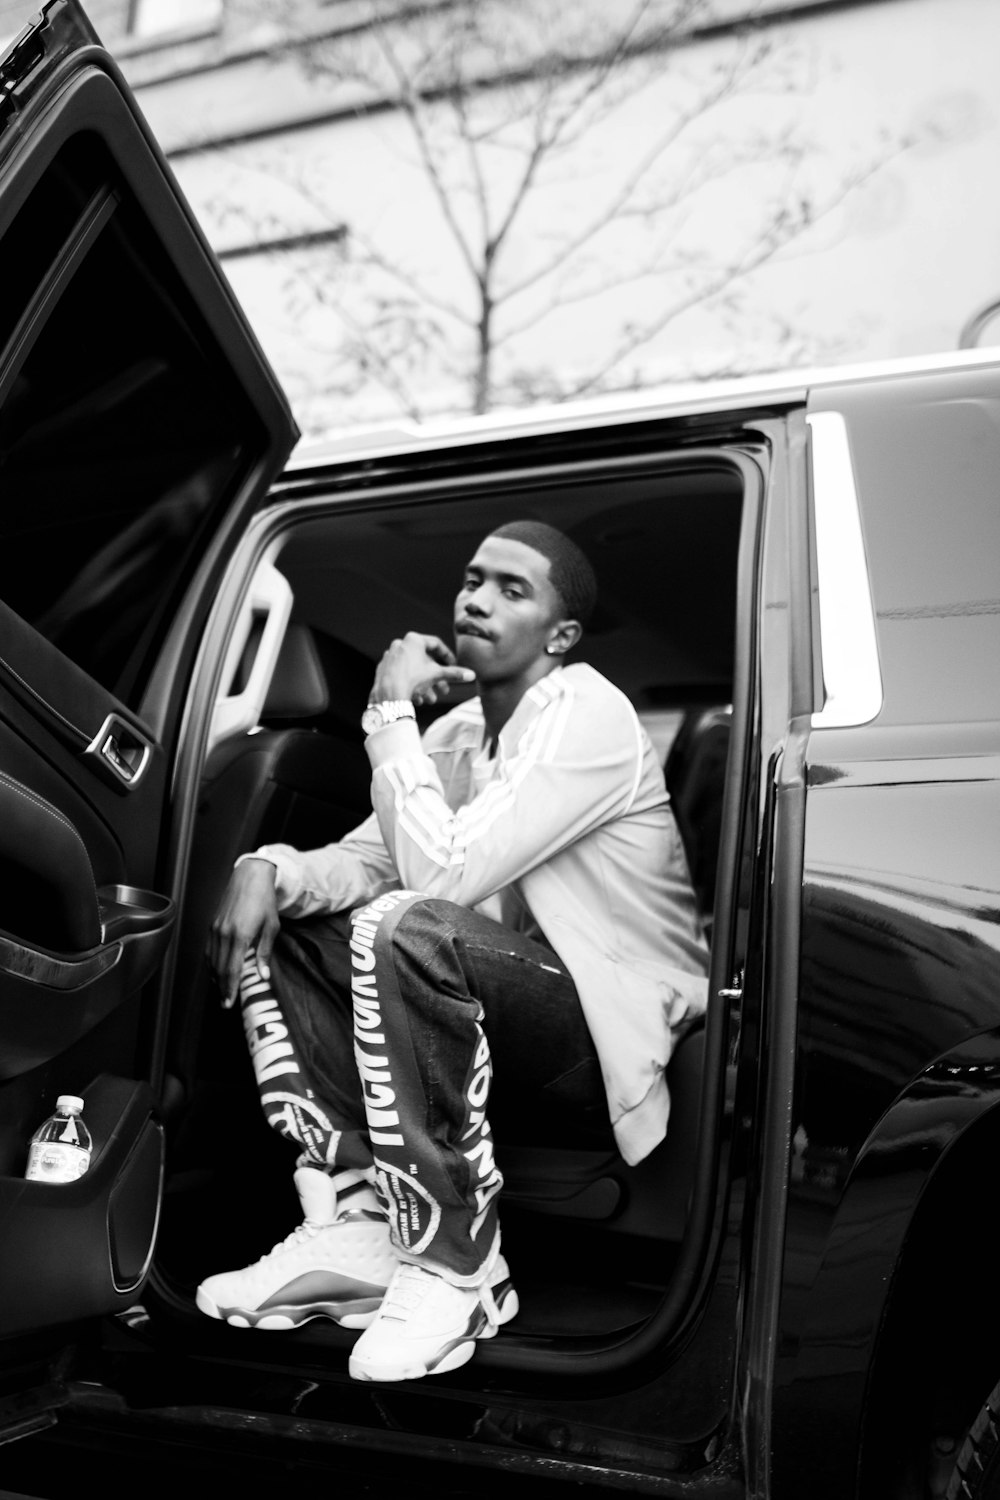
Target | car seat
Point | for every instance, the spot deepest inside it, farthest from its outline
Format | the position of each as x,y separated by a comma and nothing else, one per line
282,781
695,773
653,1197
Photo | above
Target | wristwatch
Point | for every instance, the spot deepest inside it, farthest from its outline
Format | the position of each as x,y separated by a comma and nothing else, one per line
376,715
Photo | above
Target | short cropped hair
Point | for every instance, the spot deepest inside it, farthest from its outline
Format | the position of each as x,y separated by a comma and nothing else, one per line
570,572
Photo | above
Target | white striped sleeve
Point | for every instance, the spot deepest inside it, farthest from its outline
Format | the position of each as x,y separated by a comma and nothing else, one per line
313,881
574,767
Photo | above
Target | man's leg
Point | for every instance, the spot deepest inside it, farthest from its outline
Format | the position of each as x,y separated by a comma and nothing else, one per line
430,981
300,1036
338,1262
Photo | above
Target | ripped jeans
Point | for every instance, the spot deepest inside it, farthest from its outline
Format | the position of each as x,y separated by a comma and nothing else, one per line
374,1046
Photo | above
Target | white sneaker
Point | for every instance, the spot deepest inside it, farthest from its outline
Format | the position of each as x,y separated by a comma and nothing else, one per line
426,1326
336,1264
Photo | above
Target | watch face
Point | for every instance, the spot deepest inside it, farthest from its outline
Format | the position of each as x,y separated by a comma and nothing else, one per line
371,719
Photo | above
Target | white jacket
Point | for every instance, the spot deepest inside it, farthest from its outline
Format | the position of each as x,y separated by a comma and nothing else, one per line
565,833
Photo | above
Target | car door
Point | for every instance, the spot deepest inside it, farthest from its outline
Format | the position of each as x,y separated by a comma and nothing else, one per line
139,425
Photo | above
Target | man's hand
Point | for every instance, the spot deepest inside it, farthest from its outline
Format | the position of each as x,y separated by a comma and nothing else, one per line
418,667
247,918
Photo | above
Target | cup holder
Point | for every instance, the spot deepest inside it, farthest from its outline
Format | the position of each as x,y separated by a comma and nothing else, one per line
127,909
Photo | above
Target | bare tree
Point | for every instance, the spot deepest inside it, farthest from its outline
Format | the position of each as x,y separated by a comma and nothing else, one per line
527,225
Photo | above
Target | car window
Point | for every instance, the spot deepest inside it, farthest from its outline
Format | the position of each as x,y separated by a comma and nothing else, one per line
120,427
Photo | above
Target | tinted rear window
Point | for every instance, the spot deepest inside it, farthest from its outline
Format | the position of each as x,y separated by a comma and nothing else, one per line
120,425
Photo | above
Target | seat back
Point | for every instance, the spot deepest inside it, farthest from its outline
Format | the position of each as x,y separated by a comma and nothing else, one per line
280,783
695,773
650,1199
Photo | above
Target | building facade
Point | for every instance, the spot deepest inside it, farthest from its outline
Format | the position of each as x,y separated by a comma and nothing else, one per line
771,184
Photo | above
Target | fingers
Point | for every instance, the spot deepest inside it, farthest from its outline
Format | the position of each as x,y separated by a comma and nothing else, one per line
236,953
456,674
431,692
217,953
438,651
247,918
231,950
265,947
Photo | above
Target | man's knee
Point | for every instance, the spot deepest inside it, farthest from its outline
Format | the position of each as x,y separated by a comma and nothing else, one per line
401,922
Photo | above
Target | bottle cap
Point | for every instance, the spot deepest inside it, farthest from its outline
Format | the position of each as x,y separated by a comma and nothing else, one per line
69,1101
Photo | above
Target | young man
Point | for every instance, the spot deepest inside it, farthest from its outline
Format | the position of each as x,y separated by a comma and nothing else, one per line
518,898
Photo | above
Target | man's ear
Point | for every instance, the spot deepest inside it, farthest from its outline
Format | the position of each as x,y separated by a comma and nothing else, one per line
564,637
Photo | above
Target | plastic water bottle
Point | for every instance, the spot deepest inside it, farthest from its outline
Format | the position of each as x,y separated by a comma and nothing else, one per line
61,1146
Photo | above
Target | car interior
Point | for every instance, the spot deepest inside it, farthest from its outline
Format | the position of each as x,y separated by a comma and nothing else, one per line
593,1243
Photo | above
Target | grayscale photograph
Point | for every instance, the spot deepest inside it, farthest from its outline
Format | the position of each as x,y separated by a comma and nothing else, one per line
499,748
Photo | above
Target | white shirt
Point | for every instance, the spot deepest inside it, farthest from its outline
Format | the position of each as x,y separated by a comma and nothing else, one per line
566,834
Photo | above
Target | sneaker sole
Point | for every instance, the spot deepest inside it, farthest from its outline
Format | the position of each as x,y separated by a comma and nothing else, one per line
357,1314
452,1356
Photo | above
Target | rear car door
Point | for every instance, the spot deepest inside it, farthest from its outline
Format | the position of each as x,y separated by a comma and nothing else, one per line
139,424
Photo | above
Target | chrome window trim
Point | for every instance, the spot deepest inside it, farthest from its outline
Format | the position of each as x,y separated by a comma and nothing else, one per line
852,676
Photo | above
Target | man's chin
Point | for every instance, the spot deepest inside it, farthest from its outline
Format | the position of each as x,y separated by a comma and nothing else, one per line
470,650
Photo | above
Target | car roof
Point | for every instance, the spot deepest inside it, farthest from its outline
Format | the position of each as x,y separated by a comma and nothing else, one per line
767,390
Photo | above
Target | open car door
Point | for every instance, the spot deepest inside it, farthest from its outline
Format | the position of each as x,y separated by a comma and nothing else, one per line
139,425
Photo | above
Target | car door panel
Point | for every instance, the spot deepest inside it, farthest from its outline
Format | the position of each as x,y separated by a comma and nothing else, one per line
76,1249
50,892
49,1000
55,720
139,426
79,940
79,923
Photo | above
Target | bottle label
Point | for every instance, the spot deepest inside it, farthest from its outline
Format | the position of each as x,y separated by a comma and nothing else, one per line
56,1161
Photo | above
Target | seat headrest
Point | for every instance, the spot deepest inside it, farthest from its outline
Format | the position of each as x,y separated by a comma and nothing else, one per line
298,687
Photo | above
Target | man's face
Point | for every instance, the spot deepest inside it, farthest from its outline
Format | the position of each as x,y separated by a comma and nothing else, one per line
506,613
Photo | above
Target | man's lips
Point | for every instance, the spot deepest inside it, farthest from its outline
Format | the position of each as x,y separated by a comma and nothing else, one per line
468,627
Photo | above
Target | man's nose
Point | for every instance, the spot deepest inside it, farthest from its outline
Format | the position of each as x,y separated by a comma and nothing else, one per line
477,602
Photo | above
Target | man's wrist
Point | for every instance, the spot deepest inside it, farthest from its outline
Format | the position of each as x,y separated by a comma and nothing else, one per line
385,711
256,864
398,741
263,859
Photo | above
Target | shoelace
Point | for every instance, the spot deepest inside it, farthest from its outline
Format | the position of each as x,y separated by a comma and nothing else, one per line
304,1231
410,1285
406,1290
307,1230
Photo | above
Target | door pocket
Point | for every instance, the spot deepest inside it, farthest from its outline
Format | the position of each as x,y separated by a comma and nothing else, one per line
81,1248
49,1000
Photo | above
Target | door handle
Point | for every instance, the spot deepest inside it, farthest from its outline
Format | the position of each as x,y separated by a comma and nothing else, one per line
120,753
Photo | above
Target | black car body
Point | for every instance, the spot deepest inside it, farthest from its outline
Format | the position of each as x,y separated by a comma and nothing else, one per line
800,593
